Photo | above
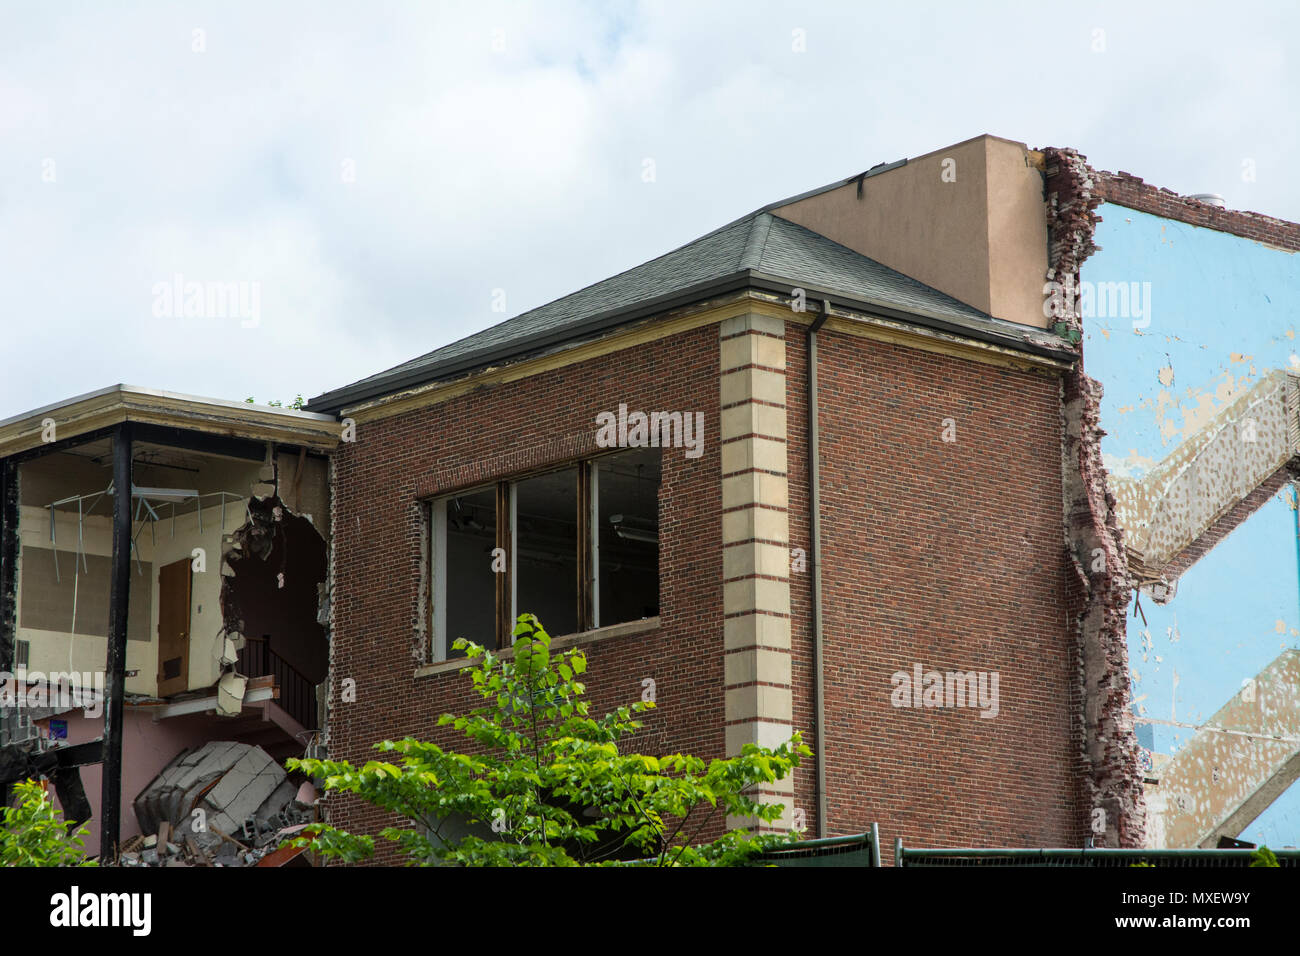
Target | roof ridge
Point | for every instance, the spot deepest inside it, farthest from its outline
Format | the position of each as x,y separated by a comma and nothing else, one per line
758,250
537,308
752,255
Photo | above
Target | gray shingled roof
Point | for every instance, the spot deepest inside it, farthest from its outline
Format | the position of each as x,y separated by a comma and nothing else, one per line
759,246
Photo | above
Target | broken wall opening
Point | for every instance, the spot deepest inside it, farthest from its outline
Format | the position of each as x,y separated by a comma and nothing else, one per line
273,577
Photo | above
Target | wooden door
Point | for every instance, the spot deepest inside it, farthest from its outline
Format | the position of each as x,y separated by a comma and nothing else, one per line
174,628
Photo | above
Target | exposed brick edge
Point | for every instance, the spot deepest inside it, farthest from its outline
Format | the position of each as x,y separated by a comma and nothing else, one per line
1072,196
1125,189
1105,735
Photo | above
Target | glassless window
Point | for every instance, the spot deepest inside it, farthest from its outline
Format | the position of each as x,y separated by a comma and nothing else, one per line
625,488
578,547
464,599
545,549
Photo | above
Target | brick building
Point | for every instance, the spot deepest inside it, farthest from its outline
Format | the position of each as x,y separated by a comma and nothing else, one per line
759,593
834,467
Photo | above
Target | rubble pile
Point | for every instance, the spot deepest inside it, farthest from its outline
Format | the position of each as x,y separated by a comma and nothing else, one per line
225,804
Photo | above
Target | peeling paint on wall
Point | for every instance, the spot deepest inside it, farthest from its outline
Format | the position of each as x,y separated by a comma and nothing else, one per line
1178,511
1211,534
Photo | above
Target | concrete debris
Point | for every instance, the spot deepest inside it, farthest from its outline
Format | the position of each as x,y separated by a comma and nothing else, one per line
225,804
231,688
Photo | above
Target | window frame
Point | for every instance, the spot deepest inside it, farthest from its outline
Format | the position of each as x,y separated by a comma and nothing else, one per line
434,588
586,584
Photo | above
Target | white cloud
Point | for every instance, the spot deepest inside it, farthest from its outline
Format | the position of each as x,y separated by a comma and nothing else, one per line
520,169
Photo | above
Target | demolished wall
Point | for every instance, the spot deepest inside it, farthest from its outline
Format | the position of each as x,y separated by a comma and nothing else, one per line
1201,429
272,568
1113,796
1130,191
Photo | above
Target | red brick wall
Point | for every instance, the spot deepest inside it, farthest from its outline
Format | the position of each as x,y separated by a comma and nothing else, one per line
950,555
1125,189
946,554
498,432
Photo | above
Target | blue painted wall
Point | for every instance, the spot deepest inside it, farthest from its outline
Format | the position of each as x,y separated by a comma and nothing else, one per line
1222,311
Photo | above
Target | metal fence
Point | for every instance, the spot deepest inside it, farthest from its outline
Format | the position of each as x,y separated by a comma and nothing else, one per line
1094,857
861,849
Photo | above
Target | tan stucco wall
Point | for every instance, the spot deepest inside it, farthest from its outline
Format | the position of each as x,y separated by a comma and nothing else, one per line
1017,233
980,235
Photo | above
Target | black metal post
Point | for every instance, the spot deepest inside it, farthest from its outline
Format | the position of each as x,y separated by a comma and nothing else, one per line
8,562
110,804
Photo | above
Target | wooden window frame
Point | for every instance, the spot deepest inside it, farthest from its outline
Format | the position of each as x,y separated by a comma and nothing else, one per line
586,583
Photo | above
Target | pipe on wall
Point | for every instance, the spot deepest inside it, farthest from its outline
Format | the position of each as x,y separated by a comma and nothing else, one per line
814,553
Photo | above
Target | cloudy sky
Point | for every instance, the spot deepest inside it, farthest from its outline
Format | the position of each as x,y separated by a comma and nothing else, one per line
381,170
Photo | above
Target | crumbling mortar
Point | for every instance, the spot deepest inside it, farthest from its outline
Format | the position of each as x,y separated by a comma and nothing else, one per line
324,737
420,646
1125,189
1093,537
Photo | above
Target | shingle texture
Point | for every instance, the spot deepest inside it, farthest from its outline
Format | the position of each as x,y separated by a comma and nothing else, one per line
761,244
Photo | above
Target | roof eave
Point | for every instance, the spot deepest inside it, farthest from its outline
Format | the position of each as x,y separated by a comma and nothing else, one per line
338,399
93,411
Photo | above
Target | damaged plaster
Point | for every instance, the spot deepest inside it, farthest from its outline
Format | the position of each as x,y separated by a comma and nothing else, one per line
1208,484
1210,527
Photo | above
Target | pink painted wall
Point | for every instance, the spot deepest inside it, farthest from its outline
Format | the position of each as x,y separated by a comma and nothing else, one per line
147,747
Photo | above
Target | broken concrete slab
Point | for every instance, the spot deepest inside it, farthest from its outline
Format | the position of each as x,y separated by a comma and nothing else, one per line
245,797
1213,481
230,694
244,788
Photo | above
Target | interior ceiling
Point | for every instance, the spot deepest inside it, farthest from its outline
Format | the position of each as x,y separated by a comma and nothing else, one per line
146,453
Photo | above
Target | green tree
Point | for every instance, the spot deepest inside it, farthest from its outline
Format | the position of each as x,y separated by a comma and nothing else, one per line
34,834
1264,857
550,786
297,404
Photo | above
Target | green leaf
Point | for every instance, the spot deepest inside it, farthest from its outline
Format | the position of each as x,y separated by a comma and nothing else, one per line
555,775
